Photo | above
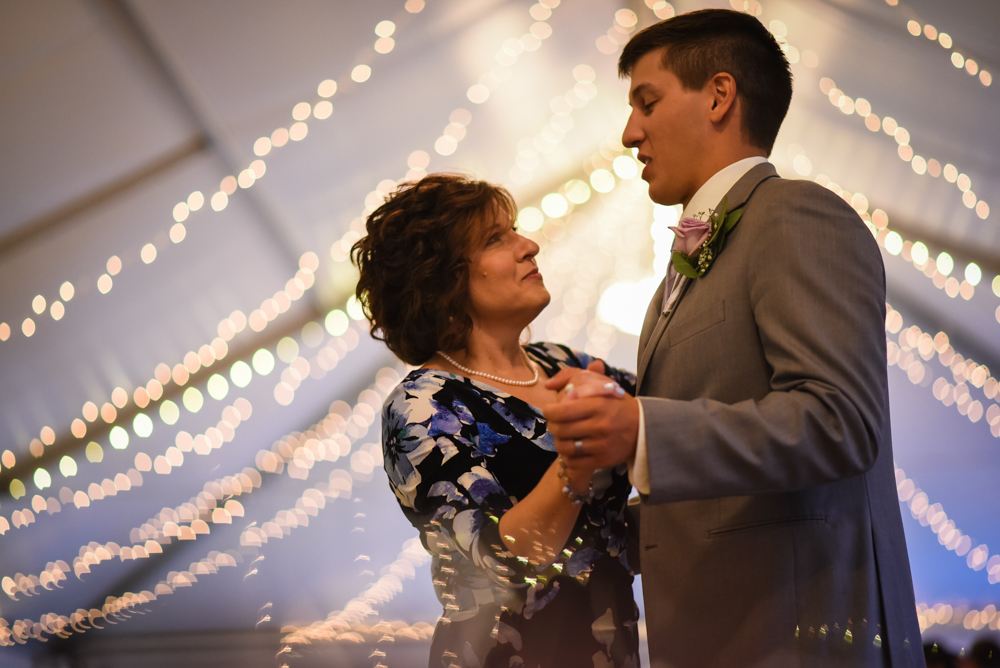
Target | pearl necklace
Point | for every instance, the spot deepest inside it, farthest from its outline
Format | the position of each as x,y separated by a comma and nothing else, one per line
521,383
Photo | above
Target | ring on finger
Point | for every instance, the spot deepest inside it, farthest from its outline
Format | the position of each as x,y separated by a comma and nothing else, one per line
578,448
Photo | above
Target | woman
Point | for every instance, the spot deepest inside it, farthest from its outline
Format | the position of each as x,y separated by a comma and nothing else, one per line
528,556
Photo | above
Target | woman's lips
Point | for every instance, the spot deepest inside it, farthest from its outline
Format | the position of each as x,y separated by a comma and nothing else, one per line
532,275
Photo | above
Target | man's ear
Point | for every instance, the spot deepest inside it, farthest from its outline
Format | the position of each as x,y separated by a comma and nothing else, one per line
722,88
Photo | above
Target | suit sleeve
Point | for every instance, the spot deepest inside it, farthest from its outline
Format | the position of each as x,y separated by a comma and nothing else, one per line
816,286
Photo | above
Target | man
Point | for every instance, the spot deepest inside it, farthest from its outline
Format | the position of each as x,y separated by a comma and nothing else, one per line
760,442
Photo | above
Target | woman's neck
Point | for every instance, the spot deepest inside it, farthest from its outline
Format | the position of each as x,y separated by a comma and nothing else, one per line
492,352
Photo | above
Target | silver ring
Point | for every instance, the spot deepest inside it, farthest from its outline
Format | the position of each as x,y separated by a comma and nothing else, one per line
578,448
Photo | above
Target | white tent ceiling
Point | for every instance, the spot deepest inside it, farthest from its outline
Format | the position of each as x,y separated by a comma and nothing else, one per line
113,112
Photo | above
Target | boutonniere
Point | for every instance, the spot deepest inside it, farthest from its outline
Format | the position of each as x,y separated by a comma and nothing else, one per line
699,242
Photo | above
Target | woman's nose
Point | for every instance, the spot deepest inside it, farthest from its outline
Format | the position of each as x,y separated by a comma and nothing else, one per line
528,248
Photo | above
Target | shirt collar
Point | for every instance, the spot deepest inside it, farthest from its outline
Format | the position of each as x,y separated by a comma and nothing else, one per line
713,190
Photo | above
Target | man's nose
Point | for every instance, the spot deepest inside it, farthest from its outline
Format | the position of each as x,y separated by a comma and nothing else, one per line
632,136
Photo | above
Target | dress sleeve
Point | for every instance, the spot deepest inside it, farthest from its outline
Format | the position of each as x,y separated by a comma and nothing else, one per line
437,459
554,356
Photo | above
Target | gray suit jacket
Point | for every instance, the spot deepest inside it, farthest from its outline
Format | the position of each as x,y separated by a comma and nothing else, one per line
772,533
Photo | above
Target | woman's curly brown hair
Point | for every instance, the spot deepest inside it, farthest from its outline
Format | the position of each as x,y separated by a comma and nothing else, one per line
414,262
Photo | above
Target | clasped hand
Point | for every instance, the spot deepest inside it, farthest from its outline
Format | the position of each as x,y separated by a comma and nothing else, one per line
594,410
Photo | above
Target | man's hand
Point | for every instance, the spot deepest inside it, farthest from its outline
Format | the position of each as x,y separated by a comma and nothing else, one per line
607,427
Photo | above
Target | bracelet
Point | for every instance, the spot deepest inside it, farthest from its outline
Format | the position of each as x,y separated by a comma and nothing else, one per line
575,499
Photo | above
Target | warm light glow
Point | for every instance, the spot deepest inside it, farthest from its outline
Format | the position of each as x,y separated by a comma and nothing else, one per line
361,73
323,110
148,253
301,111
262,146
530,219
177,234
577,191
624,304
445,145
217,387
246,178
57,311
142,425
478,93
414,6
336,322
118,438
104,284
263,361
418,160
919,253
192,400
195,200
326,88
602,180
169,413
298,131
893,243
181,212
973,274
240,374
67,466
42,479
626,167
945,263
279,137
554,205
219,202
384,45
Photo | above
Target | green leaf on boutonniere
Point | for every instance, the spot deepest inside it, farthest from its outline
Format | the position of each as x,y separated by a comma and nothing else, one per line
683,266
721,223
732,219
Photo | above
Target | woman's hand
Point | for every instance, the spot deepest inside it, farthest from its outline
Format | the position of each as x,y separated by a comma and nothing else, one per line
584,383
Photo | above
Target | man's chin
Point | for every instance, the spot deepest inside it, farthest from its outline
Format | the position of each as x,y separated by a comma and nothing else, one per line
661,194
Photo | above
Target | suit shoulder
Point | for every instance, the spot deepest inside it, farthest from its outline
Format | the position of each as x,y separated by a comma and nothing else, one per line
785,210
797,191
804,205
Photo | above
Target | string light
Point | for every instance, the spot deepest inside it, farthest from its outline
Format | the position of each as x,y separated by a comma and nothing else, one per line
934,517
937,269
307,504
915,345
944,614
920,164
227,188
419,160
325,360
961,62
148,395
561,122
340,623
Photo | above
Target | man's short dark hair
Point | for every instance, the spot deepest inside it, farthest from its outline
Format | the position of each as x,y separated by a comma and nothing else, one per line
698,45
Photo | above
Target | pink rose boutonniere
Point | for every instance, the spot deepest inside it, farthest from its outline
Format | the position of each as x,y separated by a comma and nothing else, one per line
698,242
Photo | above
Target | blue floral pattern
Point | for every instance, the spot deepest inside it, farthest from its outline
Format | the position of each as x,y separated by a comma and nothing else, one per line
459,454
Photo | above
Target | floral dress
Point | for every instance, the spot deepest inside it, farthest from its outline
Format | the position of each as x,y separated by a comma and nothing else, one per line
459,454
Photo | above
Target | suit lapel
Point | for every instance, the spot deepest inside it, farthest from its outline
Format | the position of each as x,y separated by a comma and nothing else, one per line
663,319
656,322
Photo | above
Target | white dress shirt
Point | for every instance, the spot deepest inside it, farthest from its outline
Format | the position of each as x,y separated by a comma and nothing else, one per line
707,197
